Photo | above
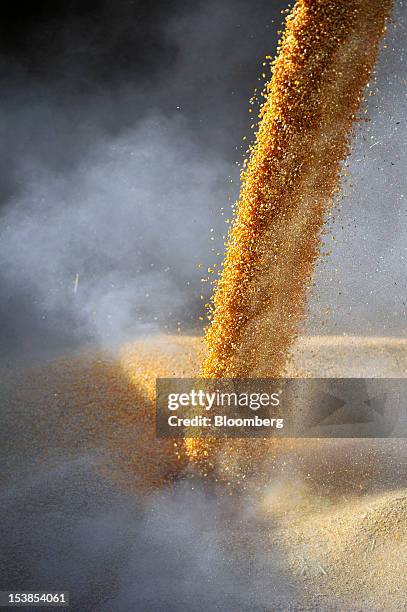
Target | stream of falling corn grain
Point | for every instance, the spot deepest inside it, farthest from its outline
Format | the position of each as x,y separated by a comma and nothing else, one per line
324,62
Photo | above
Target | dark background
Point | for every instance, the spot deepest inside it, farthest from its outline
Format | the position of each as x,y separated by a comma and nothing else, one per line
81,81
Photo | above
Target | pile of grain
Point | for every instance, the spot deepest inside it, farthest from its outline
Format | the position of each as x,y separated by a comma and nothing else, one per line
352,552
96,404
338,522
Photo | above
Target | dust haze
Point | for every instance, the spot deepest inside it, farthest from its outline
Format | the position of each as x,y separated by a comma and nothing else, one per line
115,190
